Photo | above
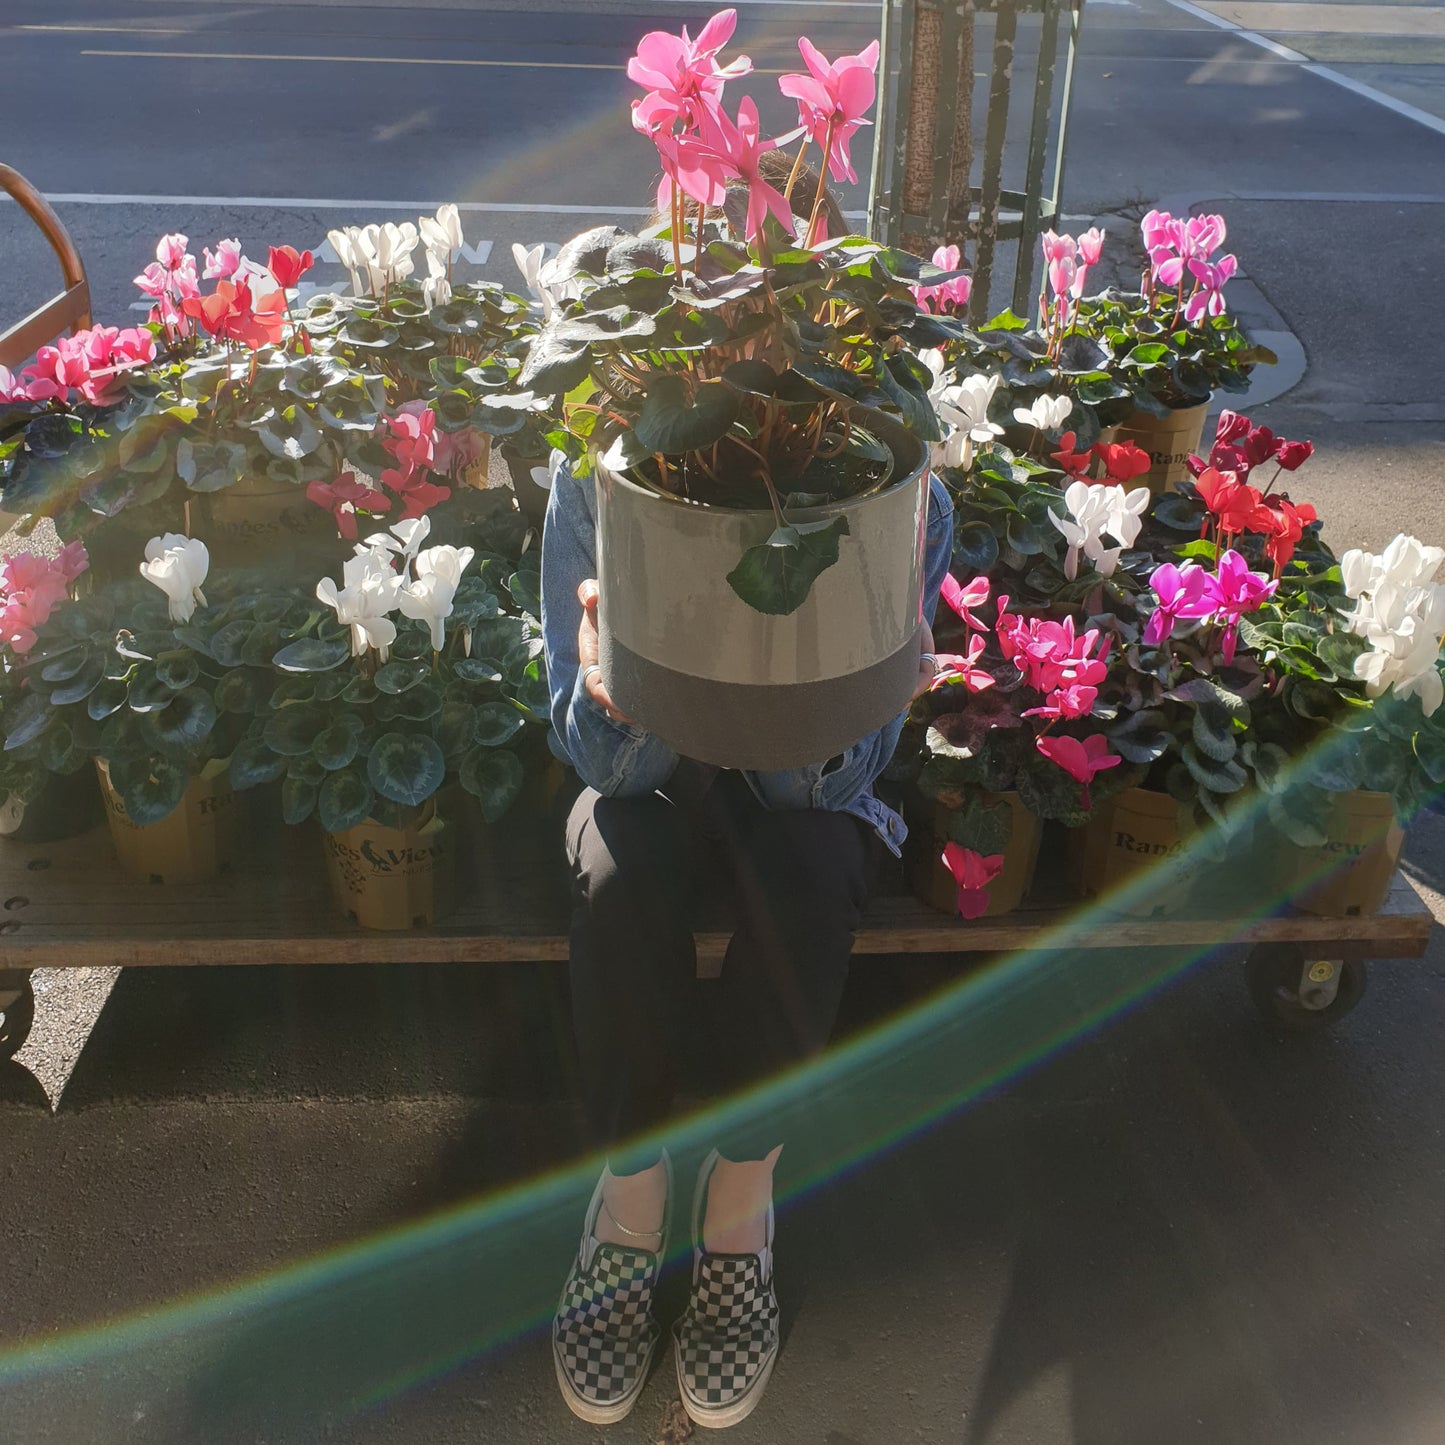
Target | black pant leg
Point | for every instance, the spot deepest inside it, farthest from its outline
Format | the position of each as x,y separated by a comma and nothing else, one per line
800,880
632,957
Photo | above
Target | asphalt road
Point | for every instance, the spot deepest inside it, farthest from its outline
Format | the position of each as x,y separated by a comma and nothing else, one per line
271,1205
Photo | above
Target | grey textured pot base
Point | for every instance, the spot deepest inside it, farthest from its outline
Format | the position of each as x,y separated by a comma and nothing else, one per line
760,728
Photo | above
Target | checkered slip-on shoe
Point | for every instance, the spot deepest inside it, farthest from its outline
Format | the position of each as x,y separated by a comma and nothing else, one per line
727,1340
604,1333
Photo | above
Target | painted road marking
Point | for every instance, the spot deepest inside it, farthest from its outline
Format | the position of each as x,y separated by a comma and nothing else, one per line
1365,92
354,59
1334,19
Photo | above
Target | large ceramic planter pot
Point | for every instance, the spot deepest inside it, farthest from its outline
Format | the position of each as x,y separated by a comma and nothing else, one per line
1350,873
256,522
1169,440
1135,835
393,878
195,842
934,885
67,805
686,657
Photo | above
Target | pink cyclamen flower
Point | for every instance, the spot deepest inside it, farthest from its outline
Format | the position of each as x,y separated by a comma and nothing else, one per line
1058,248
973,872
682,74
1075,700
693,167
741,146
833,99
1235,590
1210,295
1183,592
952,294
1080,760
1091,246
1203,236
11,387
223,264
962,600
31,587
171,251
412,439
955,667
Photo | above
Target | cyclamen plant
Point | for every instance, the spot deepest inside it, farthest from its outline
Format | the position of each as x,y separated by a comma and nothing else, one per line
732,355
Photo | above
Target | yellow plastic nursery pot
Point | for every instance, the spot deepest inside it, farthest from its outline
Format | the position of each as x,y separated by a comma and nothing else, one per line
395,878
1169,440
196,842
933,884
256,522
1137,834
1349,874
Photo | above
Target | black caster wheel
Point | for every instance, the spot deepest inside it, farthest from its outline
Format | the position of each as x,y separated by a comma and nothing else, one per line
15,1020
1300,994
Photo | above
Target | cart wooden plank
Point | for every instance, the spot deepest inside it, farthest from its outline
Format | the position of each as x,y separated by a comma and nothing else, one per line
68,905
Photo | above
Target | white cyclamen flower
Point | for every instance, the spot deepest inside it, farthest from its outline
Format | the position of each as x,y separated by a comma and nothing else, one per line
1097,509
1048,413
430,597
404,537
177,565
444,234
965,406
343,242
436,290
529,263
1404,643
366,601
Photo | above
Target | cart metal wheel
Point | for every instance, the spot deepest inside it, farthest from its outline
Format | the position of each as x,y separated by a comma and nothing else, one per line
15,1020
1302,994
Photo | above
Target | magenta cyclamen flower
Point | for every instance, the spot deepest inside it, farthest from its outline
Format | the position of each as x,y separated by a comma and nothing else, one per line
962,600
683,75
954,667
1236,590
1081,760
833,99
1183,592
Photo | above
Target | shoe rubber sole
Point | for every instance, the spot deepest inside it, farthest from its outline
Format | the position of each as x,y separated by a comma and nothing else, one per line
595,1414
719,1417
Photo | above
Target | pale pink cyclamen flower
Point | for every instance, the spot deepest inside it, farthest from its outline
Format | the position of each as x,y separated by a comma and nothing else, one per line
31,587
223,264
1091,246
693,167
682,74
973,872
952,294
171,251
1210,295
833,99
11,387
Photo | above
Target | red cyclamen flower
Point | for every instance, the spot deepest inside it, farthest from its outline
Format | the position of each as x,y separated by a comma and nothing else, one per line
288,265
973,872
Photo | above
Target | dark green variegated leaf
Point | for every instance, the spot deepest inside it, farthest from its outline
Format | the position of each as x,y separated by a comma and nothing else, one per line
311,654
253,763
184,726
177,669
494,777
335,746
495,723
397,676
1141,737
776,576
406,768
210,466
291,730
344,800
975,547
108,696
298,799
82,684
152,790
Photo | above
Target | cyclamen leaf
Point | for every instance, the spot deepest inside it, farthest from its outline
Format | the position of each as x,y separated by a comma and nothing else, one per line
671,421
776,576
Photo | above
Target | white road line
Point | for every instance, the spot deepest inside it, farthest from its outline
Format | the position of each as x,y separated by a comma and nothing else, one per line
1355,87
354,59
316,203
105,29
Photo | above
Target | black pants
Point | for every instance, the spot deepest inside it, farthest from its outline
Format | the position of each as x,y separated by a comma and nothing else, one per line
796,881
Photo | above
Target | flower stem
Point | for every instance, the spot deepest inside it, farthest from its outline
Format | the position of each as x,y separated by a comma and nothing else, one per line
822,187
796,171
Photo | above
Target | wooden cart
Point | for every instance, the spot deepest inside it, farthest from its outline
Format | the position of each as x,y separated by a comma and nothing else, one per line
67,904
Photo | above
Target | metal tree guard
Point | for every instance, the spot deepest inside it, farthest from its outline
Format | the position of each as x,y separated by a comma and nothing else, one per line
922,191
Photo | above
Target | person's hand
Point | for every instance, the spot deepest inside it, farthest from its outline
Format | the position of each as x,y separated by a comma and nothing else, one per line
927,663
587,594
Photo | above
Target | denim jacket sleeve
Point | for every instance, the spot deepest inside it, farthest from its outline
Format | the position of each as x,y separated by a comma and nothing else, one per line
839,783
617,759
